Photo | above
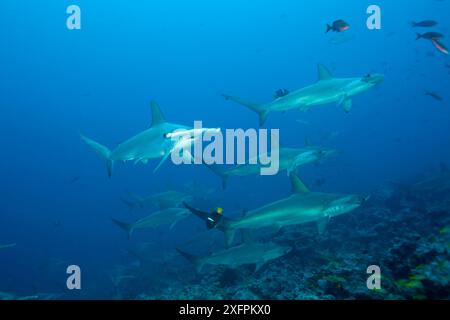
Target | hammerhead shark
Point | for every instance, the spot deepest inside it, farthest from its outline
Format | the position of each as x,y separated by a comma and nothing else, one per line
148,144
301,207
290,160
326,90
246,253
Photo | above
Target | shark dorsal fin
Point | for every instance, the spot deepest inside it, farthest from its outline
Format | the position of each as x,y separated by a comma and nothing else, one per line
157,116
297,185
323,73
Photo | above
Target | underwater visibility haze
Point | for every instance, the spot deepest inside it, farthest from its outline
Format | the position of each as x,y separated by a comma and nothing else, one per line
98,98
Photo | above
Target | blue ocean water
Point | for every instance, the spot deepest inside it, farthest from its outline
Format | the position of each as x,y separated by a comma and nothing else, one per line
57,201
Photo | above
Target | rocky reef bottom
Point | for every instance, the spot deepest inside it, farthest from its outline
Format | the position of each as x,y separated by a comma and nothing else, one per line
405,230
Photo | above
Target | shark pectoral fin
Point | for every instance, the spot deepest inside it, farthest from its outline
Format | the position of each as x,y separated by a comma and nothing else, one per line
342,98
262,117
347,105
229,237
177,220
322,224
162,161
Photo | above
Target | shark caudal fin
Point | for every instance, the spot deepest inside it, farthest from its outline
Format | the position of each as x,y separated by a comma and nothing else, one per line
252,106
128,227
418,36
329,28
102,151
196,261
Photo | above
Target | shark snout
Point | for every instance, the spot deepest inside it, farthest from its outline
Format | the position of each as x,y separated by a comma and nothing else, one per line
374,78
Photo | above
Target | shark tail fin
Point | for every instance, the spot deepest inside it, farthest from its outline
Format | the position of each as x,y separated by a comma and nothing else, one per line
252,106
128,227
328,28
196,261
418,36
102,151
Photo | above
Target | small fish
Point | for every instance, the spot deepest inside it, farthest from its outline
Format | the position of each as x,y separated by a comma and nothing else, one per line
425,23
429,35
338,26
433,95
440,46
4,246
